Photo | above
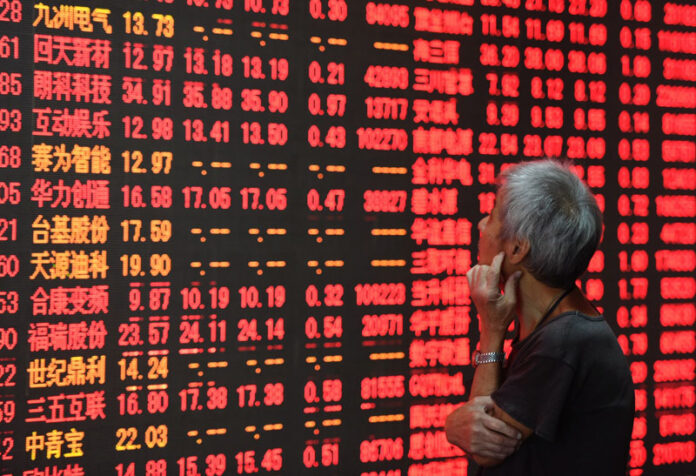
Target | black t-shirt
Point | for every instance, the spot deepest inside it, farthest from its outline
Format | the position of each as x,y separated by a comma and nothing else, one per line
570,383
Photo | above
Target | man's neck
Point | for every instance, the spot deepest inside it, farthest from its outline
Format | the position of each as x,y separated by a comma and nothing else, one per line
536,300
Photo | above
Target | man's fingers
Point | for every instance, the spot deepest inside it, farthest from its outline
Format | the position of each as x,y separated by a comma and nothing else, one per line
499,426
493,453
496,265
492,450
511,286
470,276
484,400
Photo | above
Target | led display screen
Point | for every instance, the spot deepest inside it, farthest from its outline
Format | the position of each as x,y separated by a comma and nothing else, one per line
234,233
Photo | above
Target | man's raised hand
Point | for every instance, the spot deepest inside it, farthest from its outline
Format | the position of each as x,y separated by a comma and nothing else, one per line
496,309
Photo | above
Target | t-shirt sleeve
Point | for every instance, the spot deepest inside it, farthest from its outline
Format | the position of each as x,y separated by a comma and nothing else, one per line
535,392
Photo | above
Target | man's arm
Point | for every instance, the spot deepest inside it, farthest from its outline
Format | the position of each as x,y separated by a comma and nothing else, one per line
473,427
487,381
496,311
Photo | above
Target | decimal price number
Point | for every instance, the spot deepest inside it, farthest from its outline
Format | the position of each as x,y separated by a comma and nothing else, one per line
154,436
273,199
162,128
335,137
595,91
334,10
223,63
633,288
638,10
334,73
272,461
129,403
132,265
160,196
506,114
276,133
633,344
278,7
160,231
190,330
162,56
195,399
550,117
637,317
276,101
158,298
219,298
273,395
276,69
218,197
248,330
216,464
250,297
332,295
332,201
328,455
331,391
328,327
194,131
129,333
135,24
160,162
636,233
636,177
333,105
157,368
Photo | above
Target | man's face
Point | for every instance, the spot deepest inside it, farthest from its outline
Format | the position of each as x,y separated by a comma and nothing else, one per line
489,227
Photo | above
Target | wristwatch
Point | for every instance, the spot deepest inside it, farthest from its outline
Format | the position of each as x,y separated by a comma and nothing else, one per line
487,357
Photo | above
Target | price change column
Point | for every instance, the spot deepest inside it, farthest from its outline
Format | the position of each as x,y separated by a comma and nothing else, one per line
673,180
632,208
327,320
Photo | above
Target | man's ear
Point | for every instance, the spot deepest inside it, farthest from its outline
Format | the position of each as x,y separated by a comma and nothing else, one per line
516,251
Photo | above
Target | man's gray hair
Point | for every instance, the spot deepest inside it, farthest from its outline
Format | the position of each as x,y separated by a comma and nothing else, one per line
546,204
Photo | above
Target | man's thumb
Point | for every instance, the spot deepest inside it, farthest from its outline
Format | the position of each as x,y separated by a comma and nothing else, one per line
511,286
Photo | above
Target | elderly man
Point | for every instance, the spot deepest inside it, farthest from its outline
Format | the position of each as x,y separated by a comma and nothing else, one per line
562,403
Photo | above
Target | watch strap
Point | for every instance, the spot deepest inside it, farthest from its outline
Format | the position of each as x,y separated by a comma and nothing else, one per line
488,357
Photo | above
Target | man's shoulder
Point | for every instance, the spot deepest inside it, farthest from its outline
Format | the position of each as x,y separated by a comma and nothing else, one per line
570,335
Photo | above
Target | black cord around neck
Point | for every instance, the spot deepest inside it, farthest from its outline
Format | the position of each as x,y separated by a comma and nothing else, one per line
548,312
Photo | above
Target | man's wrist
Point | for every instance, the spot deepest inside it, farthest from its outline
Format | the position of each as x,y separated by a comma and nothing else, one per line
491,342
487,358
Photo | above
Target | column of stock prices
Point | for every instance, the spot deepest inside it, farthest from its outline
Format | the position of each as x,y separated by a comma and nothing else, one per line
234,233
